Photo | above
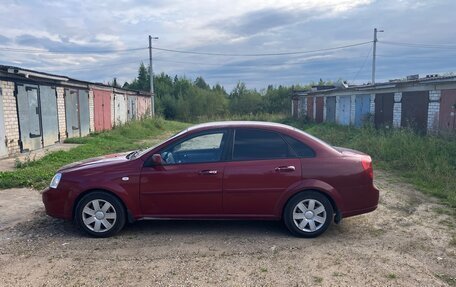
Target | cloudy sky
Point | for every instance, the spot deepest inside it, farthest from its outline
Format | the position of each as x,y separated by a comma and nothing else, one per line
98,40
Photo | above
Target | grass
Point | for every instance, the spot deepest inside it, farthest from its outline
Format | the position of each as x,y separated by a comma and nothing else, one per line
427,162
37,174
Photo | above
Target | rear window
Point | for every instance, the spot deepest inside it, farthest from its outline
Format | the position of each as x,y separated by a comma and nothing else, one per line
250,144
300,148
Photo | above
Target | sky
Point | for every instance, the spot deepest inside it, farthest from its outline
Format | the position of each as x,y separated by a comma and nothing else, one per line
97,40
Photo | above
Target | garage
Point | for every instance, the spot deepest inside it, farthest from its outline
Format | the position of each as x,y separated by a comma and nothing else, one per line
414,113
384,110
362,109
77,112
102,109
447,117
120,109
343,110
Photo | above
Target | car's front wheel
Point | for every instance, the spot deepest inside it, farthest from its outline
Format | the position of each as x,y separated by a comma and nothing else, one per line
100,214
308,214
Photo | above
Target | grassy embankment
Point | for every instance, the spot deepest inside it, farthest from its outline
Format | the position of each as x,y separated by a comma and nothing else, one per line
37,174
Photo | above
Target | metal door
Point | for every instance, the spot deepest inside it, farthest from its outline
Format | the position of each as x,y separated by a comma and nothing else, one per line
415,110
310,110
384,110
330,109
343,111
72,113
362,109
48,101
98,116
3,148
29,117
84,115
120,109
131,108
448,111
319,109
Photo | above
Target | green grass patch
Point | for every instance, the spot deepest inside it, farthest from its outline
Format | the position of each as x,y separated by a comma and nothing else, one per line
133,135
428,162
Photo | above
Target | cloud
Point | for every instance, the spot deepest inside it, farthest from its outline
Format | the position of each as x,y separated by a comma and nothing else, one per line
238,26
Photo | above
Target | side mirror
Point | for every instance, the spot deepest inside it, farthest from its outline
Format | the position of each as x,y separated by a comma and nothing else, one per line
157,159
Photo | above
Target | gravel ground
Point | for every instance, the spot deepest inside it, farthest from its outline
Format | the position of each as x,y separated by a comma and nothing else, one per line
407,241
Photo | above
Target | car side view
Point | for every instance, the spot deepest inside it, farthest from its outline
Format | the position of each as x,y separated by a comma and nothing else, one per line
221,170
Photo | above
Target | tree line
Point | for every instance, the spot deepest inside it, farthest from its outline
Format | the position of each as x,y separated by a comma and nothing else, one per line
183,99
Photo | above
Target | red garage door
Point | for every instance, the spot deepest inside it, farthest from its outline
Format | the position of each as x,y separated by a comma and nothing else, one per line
102,109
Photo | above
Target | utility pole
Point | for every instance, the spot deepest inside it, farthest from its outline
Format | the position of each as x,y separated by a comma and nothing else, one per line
151,76
374,54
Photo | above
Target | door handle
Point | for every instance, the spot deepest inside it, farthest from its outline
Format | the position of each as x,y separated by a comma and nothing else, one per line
289,168
208,172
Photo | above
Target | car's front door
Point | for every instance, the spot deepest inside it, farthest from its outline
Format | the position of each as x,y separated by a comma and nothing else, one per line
189,183
262,167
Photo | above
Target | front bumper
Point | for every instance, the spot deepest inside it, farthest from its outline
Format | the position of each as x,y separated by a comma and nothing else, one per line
55,202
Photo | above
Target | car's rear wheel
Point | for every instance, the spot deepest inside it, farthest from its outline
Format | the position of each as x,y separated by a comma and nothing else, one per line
100,214
308,214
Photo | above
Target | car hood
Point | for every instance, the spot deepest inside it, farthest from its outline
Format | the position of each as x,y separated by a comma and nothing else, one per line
96,162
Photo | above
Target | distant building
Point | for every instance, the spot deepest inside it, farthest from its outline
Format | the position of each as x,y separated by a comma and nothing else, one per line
425,104
39,109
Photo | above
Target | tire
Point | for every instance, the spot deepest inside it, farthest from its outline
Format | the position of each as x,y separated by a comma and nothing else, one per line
100,214
308,214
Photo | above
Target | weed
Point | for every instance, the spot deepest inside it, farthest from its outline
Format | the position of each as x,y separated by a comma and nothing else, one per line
447,278
391,276
453,240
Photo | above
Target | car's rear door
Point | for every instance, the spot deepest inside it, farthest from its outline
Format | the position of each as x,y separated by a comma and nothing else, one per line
261,168
190,182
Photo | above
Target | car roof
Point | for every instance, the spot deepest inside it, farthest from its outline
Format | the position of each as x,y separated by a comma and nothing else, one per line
231,124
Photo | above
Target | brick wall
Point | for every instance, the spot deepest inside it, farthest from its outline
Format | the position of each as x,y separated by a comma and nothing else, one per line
91,109
61,112
397,110
10,118
433,111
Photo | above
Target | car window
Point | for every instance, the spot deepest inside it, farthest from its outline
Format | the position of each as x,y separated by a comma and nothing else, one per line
251,144
201,148
300,148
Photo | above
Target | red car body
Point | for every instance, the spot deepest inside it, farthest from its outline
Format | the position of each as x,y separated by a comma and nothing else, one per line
247,189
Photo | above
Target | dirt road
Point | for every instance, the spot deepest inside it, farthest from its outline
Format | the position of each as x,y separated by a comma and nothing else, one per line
406,242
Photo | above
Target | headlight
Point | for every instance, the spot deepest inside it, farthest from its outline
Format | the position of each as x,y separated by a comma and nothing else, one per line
55,180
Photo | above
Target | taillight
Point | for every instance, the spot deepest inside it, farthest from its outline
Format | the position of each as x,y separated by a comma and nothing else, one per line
367,166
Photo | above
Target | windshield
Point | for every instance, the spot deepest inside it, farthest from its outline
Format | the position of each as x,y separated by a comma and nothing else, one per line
140,153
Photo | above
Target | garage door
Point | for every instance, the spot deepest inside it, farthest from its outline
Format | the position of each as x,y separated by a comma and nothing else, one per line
343,110
48,100
3,148
384,110
415,110
29,117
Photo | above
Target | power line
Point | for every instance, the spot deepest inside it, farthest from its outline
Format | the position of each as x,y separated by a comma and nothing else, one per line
260,54
426,46
362,66
42,51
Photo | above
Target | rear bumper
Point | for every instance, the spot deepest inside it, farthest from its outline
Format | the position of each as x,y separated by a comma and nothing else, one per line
55,203
368,203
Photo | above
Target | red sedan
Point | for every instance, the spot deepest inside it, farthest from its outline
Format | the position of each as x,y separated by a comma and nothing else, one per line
223,170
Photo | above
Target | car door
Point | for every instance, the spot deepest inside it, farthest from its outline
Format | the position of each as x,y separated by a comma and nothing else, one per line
189,183
262,167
